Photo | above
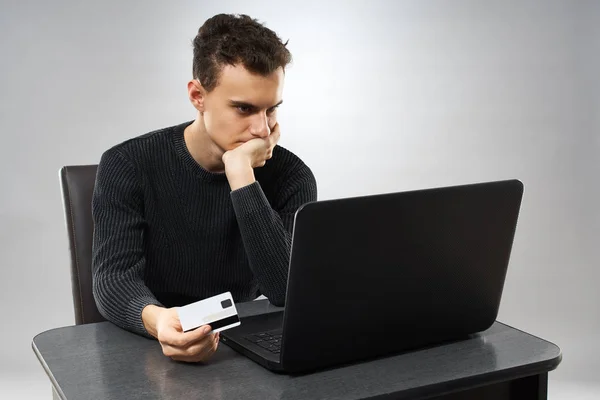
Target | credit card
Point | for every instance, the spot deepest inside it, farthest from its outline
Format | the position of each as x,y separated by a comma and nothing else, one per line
218,311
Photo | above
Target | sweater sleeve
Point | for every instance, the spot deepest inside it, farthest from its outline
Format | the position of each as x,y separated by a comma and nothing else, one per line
118,259
266,229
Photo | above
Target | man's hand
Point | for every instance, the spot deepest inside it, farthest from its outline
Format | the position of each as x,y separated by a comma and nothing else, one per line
239,162
194,346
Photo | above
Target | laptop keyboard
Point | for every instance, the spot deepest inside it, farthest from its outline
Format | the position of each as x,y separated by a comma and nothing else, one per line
270,341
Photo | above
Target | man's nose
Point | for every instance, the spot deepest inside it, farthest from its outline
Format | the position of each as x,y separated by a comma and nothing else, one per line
260,126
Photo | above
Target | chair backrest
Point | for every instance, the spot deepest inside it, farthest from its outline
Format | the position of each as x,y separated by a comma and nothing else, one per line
77,184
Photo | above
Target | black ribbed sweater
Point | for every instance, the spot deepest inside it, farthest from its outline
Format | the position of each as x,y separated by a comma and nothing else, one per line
168,232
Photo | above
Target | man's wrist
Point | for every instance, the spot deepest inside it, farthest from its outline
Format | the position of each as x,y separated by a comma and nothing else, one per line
239,172
150,315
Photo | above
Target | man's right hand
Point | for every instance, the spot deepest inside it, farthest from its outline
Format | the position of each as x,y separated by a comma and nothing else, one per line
193,346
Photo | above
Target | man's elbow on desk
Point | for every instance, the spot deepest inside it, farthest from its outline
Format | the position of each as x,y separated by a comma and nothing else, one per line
277,301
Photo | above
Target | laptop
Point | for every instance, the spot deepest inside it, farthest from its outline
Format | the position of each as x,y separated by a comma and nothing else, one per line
376,275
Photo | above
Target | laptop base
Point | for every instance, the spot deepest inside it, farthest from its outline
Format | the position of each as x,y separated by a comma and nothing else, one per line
236,339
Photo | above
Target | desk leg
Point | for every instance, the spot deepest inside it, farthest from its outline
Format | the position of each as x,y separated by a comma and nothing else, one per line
533,387
530,388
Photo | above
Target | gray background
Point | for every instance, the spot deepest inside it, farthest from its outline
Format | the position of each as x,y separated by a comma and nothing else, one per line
383,96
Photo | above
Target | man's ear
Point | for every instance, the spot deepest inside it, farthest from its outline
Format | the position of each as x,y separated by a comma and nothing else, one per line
196,94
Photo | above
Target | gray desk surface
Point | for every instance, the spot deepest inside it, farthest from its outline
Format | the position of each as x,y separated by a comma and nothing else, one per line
102,361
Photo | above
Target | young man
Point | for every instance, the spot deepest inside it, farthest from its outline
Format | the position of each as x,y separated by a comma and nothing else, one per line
203,207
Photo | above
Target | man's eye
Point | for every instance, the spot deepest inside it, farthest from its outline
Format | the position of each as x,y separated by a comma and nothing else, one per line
271,110
244,109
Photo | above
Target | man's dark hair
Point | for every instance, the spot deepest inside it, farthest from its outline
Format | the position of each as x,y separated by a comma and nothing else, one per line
230,39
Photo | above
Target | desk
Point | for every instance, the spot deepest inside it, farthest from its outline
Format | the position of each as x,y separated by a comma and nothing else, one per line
102,361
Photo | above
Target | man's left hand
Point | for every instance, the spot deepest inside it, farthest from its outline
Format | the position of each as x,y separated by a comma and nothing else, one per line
239,162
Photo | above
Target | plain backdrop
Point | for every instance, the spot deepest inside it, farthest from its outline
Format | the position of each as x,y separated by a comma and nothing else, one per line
382,96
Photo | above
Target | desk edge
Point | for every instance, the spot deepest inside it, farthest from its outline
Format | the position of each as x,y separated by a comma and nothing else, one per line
47,370
448,387
558,349
537,368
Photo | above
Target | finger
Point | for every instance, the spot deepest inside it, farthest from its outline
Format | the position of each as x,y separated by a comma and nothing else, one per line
174,352
183,339
196,359
188,353
201,355
275,135
188,359
170,337
194,348
197,334
207,352
169,351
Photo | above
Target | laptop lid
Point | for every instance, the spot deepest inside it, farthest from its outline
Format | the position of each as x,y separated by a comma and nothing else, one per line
384,273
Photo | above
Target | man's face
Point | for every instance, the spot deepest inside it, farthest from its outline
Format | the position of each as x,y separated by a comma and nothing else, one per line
242,107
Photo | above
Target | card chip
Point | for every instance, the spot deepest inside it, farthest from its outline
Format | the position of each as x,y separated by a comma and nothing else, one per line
226,303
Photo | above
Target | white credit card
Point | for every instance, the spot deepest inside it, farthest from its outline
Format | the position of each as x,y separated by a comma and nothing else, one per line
218,311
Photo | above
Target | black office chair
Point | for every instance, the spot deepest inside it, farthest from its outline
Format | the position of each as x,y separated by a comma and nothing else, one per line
77,183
